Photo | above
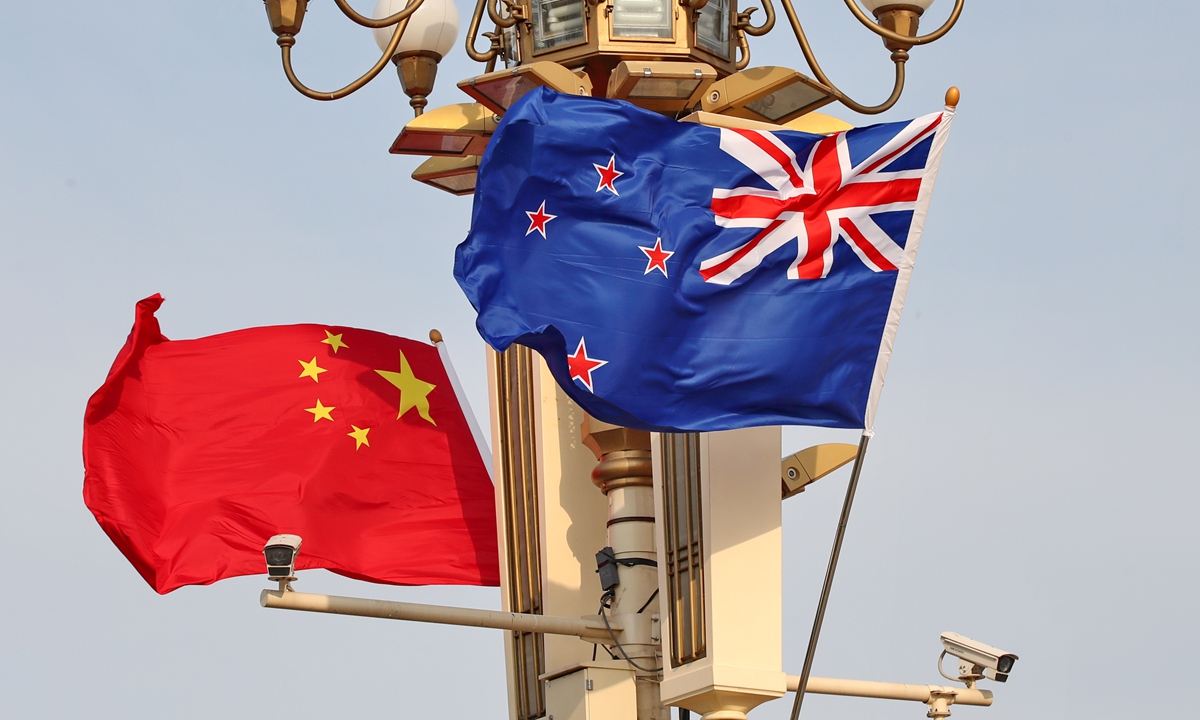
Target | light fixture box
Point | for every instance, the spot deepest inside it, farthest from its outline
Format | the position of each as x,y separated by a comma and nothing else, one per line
602,690
665,87
813,123
728,121
450,130
577,33
817,123
720,567
767,94
455,175
498,90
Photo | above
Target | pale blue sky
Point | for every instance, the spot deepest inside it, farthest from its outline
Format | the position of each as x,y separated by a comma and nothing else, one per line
1032,484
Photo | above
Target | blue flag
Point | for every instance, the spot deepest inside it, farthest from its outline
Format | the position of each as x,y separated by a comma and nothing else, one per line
678,277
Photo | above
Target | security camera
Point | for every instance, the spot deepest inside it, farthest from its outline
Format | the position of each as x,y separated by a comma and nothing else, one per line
977,659
281,552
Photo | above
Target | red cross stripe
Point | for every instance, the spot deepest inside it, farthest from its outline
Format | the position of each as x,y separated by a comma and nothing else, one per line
827,199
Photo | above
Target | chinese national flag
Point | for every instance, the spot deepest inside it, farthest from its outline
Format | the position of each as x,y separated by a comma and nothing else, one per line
198,451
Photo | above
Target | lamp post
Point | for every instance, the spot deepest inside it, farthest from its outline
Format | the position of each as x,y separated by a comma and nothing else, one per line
691,604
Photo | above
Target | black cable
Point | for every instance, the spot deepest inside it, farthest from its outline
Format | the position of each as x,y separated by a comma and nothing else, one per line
648,601
617,643
631,562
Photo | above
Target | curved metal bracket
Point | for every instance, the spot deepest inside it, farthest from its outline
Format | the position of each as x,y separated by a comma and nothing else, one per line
899,57
473,34
743,50
897,37
286,42
743,20
376,23
515,13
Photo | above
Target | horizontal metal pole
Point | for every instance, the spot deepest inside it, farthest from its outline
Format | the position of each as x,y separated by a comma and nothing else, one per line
889,691
586,629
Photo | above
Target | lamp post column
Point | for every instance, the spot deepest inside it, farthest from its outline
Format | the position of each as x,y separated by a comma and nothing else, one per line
624,474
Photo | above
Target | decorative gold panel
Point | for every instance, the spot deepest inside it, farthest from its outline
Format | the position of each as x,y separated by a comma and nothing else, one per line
518,473
684,551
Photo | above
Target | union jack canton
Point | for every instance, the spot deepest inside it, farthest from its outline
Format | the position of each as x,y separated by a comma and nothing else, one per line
677,277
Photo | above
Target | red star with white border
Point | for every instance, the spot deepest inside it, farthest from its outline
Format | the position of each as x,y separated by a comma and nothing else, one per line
538,219
581,366
656,257
608,174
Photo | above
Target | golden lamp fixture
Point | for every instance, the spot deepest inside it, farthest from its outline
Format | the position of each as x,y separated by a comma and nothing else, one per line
688,59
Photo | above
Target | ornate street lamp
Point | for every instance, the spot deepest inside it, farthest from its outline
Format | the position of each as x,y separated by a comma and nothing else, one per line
669,56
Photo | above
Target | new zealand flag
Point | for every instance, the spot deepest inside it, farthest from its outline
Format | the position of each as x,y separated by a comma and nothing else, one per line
678,277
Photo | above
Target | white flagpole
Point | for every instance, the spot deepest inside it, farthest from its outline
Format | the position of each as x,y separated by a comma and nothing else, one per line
485,453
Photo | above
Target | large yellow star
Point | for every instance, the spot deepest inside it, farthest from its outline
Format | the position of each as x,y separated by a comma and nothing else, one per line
334,341
360,436
310,369
320,411
414,393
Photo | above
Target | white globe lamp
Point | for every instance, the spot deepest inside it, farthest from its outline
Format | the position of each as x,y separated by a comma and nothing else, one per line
430,34
899,16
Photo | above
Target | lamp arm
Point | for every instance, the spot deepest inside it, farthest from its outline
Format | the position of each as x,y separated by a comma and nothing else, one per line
473,33
897,37
287,41
743,22
744,51
899,57
496,17
375,23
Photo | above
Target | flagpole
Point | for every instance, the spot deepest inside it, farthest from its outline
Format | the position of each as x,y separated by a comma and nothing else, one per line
829,571
485,453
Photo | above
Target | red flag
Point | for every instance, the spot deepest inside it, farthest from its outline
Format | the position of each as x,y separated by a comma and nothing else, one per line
197,451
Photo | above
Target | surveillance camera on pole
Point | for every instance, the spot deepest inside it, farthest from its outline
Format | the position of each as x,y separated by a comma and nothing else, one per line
976,660
280,553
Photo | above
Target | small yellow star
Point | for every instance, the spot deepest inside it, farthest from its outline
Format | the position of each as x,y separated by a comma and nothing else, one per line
360,436
310,369
414,392
320,411
334,341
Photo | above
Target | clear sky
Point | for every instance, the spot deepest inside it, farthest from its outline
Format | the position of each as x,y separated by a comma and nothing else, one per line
1033,481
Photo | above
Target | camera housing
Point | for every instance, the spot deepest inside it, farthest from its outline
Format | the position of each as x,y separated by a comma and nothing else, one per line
280,553
977,659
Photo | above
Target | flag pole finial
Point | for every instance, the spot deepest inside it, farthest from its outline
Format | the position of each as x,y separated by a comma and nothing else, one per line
952,96
435,337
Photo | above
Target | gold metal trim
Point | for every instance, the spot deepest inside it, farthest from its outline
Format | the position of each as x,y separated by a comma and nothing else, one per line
683,530
518,473
627,76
